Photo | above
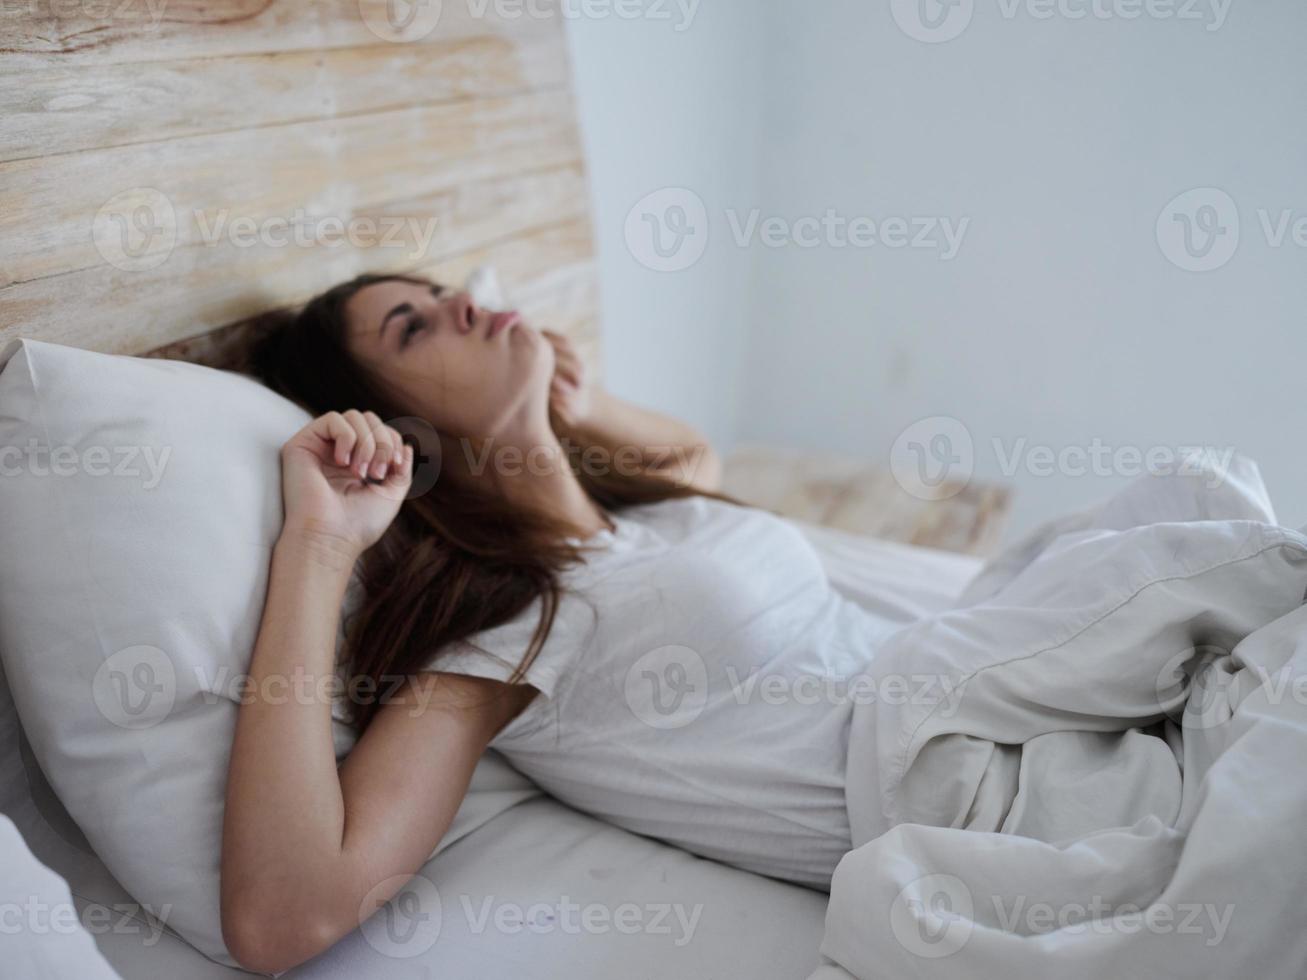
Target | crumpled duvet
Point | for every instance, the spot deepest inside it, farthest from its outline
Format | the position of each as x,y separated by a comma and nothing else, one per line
1109,778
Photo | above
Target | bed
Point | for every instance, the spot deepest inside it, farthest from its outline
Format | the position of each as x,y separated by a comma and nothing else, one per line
506,916
169,173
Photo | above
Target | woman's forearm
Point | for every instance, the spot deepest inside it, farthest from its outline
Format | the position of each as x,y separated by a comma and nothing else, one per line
285,811
660,442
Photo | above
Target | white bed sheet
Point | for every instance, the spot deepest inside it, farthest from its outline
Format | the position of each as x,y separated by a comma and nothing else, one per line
520,852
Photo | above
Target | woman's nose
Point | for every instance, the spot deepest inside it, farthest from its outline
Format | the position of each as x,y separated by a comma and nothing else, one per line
465,311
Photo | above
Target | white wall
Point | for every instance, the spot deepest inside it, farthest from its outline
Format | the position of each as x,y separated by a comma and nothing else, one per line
671,102
1060,322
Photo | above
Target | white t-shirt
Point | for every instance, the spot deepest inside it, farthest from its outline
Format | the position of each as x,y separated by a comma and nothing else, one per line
695,687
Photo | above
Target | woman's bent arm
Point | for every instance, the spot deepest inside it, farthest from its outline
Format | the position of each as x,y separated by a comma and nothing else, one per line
629,436
303,843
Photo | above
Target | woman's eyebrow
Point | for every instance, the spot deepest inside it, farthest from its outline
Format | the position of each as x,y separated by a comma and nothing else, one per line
399,310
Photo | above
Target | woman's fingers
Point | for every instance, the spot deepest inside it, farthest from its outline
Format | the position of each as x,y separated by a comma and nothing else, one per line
333,428
399,478
366,445
401,474
567,362
386,440
362,443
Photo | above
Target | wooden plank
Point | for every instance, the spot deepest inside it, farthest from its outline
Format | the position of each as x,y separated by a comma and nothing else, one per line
203,287
218,140
854,494
76,211
36,33
73,105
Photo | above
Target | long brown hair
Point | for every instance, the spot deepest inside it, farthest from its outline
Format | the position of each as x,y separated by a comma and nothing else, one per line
457,559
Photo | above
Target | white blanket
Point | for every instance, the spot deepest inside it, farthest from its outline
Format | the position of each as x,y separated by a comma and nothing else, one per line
1108,774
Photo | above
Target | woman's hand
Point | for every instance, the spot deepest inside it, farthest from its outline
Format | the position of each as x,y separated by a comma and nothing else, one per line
570,394
344,476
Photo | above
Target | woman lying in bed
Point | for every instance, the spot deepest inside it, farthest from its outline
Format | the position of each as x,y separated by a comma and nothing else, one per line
642,648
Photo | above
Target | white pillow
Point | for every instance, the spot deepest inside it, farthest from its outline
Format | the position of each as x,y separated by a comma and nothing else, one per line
141,499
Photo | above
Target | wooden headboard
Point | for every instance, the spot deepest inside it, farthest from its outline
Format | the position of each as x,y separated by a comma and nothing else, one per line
170,168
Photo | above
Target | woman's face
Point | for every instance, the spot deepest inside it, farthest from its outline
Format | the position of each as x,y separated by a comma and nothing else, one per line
466,370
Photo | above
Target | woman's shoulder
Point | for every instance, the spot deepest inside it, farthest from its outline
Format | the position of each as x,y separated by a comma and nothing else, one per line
683,513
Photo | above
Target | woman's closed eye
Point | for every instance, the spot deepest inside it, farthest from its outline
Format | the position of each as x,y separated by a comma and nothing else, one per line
412,327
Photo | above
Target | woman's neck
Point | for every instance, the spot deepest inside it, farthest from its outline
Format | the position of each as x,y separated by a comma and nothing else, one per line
531,469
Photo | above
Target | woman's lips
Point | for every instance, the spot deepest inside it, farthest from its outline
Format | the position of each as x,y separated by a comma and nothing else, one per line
501,322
